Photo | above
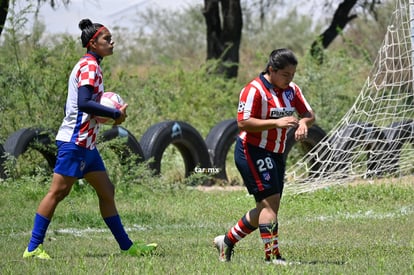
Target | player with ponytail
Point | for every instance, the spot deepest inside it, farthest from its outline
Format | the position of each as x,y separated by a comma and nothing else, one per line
77,155
267,108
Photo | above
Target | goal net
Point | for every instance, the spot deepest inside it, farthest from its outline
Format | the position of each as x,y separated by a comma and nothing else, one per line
375,137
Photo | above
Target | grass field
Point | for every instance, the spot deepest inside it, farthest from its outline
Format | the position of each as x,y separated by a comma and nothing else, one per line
355,229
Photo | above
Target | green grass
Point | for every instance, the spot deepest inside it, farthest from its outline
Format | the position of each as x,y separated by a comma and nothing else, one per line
361,229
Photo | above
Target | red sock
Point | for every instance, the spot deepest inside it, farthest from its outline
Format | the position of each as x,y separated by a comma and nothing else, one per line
269,235
240,230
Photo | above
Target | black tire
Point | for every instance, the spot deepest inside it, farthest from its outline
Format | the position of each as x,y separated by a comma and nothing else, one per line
223,135
130,146
180,134
388,152
219,140
315,135
35,138
2,160
401,132
348,139
342,142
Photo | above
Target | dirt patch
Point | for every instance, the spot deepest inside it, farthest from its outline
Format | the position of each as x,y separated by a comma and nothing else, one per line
220,188
404,180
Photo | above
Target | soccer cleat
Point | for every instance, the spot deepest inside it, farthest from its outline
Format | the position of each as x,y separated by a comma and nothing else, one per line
277,261
39,253
140,249
225,251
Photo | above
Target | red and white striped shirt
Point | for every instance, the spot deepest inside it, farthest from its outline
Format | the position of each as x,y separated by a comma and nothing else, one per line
80,127
259,99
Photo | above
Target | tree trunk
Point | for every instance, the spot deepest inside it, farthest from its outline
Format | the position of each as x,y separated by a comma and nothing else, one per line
4,7
223,39
339,21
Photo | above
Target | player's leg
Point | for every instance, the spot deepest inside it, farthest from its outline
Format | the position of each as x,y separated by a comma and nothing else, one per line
268,201
105,191
268,227
67,170
246,225
98,178
59,189
106,195
243,227
249,222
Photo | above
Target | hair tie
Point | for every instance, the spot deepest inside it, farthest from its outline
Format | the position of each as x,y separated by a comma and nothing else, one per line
95,35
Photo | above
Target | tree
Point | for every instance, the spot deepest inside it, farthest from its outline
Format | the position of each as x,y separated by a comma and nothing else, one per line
4,9
223,38
339,21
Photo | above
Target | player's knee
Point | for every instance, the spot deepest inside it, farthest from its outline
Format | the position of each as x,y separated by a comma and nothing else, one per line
111,190
60,194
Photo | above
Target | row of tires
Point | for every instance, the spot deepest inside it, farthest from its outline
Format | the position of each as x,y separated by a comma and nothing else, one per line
383,147
380,148
198,154
209,154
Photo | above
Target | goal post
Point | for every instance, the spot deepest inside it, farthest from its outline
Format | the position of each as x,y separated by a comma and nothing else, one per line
411,8
375,138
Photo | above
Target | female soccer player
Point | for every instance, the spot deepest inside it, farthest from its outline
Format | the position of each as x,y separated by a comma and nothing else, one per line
77,155
266,110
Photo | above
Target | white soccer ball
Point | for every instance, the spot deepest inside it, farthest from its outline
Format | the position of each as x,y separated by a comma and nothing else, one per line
111,100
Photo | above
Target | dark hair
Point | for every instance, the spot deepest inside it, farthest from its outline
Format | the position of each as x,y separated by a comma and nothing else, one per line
281,58
88,30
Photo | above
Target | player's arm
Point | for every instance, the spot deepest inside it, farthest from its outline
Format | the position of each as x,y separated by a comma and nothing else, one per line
249,110
306,115
257,125
88,105
306,121
123,115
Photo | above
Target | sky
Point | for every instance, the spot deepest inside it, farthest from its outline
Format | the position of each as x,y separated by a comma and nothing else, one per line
111,13
107,12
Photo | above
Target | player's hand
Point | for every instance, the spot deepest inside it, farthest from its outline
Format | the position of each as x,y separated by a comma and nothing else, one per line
123,116
301,132
287,122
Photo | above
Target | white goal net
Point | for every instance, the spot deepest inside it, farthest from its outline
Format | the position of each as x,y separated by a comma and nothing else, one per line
375,138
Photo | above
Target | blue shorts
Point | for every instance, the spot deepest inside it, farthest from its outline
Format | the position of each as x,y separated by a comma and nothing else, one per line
75,161
262,171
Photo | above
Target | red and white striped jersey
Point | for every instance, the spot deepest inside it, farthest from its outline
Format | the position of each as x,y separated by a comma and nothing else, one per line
259,99
79,127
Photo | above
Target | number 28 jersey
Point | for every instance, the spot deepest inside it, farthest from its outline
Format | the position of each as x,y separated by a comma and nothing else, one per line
260,99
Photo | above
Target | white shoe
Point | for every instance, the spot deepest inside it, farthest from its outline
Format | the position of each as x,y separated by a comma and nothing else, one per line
224,250
277,261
